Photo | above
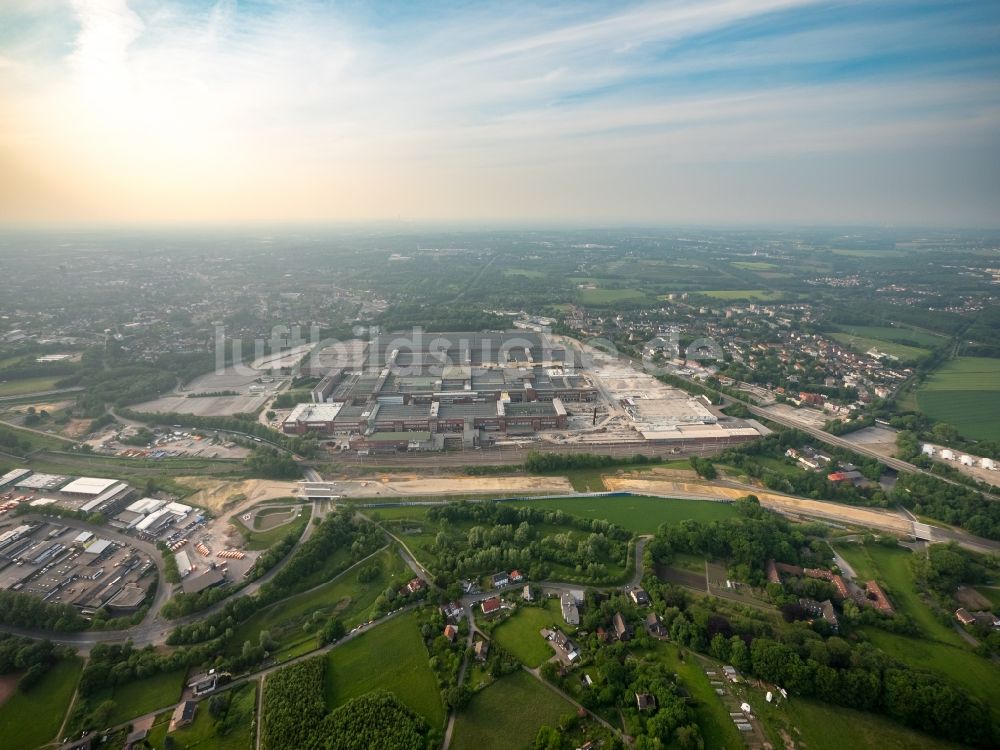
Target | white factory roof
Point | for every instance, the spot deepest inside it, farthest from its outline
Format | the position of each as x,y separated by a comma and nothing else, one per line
89,486
151,519
41,502
41,481
178,509
13,475
314,412
146,505
183,563
96,548
84,536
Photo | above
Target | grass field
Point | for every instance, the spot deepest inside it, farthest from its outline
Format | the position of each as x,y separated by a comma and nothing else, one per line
755,265
587,480
891,566
508,714
897,334
643,515
810,724
965,392
863,344
610,296
28,720
519,633
941,649
717,728
202,732
264,539
392,657
142,696
351,600
28,385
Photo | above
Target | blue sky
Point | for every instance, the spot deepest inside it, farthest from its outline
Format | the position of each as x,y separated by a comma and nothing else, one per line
717,111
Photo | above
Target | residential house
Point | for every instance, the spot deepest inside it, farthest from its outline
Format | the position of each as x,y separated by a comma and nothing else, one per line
490,606
183,715
964,616
639,596
415,585
654,626
482,650
645,701
450,632
569,609
452,611
500,580
623,631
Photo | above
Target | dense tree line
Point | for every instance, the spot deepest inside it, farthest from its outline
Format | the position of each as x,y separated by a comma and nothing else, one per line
293,706
26,611
272,464
544,463
33,657
12,441
961,506
747,541
376,719
509,536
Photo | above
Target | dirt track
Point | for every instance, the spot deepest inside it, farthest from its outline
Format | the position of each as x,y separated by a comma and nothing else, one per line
411,485
879,519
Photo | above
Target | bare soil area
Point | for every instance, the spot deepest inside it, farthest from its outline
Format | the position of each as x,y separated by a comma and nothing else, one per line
814,508
414,485
216,496
8,684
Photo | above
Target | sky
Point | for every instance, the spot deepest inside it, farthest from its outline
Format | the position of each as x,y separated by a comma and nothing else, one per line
710,112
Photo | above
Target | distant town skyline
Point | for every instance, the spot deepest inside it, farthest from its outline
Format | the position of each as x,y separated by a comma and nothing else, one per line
764,112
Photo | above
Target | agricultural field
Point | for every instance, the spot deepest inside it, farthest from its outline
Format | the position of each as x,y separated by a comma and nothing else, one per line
642,515
610,296
527,273
809,724
755,265
755,295
965,392
28,385
345,596
519,633
508,714
898,334
863,344
33,719
390,657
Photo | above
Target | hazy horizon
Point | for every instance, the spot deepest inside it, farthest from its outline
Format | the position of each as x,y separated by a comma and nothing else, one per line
778,113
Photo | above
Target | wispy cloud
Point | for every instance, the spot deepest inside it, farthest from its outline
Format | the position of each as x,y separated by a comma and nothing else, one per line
145,109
